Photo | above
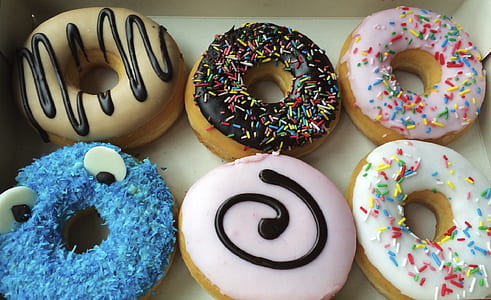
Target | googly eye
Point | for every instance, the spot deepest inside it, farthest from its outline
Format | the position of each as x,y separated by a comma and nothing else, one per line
15,206
105,164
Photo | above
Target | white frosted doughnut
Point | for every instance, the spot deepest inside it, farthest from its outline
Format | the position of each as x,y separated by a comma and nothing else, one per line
452,265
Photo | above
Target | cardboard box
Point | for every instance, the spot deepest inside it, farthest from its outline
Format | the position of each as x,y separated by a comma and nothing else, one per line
193,25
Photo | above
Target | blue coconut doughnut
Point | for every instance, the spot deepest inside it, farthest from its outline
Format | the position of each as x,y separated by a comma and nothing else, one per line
129,195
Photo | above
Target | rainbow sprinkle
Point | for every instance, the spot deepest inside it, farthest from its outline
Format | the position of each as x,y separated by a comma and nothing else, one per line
447,106
457,259
303,115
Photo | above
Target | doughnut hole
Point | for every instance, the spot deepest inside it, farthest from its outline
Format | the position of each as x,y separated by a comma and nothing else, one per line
84,230
416,70
428,214
99,79
268,82
94,76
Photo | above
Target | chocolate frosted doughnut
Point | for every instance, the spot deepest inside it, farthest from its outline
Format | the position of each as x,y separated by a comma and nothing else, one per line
232,122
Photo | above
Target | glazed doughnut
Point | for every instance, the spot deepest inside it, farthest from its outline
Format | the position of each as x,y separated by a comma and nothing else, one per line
421,42
267,226
399,263
39,258
146,100
232,123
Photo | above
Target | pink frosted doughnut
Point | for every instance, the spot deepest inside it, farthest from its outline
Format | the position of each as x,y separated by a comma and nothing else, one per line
421,42
267,227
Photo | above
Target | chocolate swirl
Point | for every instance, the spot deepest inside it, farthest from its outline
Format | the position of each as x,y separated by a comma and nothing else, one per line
272,228
78,119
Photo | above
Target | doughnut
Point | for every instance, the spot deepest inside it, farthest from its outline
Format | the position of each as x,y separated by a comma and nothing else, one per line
63,50
267,226
38,256
421,42
233,123
401,264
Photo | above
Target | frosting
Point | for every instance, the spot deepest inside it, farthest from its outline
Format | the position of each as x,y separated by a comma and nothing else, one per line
303,115
276,223
45,90
103,160
454,266
138,212
450,105
15,206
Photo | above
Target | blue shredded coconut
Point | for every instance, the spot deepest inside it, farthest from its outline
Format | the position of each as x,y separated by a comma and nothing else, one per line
36,264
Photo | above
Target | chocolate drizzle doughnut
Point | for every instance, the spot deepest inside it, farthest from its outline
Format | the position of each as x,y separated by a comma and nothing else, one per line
304,114
272,228
47,65
74,39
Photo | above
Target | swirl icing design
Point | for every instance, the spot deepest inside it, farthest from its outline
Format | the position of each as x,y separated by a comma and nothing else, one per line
272,228
77,115
304,114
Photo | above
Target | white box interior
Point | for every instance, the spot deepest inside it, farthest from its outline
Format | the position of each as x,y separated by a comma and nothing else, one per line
193,25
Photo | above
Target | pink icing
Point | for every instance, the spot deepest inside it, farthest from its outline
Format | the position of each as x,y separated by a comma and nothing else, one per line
239,279
451,104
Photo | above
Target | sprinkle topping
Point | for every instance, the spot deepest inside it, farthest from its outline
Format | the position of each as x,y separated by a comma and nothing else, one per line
446,106
303,115
452,262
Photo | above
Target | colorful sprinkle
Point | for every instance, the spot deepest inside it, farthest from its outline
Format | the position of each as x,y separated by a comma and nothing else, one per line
450,260
447,106
301,117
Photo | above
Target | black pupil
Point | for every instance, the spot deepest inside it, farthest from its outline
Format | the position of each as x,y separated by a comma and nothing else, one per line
21,212
105,177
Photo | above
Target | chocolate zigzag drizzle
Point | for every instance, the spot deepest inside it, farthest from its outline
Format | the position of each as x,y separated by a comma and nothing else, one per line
272,228
74,39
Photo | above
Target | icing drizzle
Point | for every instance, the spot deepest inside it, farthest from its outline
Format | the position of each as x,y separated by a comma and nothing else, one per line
272,228
303,115
78,117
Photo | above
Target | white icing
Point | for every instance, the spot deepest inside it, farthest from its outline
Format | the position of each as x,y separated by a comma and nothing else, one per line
104,159
19,195
454,177
239,279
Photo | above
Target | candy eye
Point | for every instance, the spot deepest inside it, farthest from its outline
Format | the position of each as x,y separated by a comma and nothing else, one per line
15,206
105,164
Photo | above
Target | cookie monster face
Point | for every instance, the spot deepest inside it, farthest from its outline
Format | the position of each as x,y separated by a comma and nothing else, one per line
103,163
129,196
